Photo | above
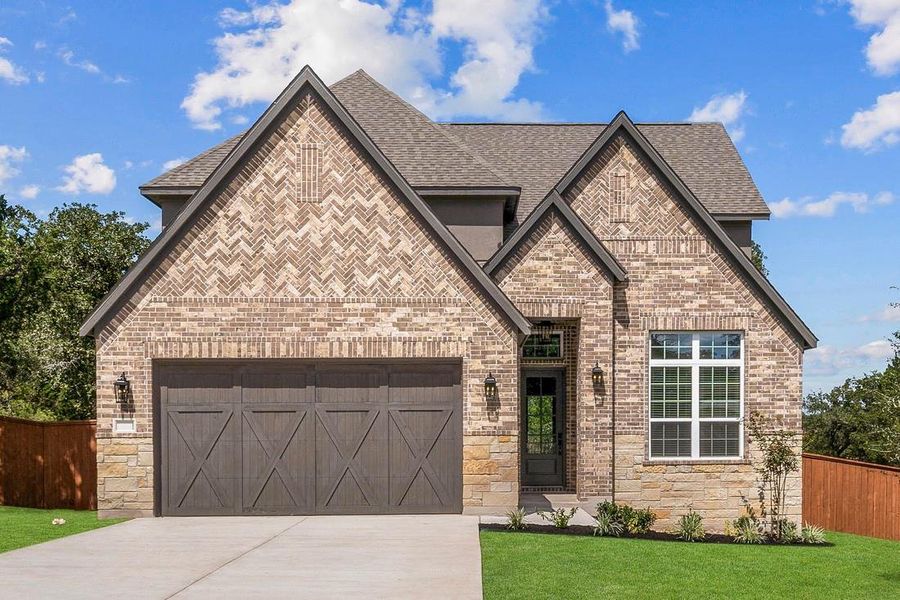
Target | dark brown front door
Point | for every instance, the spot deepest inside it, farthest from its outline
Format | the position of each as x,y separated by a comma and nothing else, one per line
294,437
542,428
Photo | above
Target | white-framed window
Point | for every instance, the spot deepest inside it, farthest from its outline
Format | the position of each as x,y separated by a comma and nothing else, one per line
696,395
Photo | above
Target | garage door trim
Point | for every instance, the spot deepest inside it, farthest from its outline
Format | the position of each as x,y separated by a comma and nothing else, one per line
387,407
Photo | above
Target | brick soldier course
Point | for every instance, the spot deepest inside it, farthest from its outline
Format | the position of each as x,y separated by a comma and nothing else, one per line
311,247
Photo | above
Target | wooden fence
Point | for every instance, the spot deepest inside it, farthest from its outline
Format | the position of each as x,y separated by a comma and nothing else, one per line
851,496
48,465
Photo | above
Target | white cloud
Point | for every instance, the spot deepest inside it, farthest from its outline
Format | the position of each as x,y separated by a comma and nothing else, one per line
171,164
883,50
400,47
829,360
40,45
827,207
87,173
68,57
30,192
727,109
9,156
624,22
876,127
9,71
890,313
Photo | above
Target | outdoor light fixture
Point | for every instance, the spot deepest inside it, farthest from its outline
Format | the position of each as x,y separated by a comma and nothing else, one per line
123,386
597,374
490,387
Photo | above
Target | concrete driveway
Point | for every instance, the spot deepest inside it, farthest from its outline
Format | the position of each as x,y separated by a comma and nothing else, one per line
255,557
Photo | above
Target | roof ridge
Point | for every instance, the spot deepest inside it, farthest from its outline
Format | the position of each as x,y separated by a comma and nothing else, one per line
452,139
568,123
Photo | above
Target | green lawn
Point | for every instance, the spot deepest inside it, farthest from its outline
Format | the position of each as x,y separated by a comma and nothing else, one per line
26,526
532,565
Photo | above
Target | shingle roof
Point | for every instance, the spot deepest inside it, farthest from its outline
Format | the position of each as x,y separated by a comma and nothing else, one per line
532,157
194,172
536,156
419,148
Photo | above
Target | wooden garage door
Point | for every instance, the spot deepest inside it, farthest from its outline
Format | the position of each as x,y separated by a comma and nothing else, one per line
270,437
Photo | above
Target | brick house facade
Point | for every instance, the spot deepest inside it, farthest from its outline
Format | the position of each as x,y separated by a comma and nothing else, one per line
309,241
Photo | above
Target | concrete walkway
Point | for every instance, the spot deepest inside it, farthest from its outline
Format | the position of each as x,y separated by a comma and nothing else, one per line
255,557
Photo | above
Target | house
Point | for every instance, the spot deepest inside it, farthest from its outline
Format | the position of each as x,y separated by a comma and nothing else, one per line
353,309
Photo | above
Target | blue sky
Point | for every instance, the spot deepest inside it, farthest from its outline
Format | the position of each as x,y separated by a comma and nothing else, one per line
98,96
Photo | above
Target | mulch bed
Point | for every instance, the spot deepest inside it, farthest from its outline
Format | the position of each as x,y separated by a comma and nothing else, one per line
711,538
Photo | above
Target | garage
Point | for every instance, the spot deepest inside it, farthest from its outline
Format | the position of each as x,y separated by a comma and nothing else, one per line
298,437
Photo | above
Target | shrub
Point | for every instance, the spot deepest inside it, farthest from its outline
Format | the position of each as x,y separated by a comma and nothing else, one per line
559,517
787,531
607,524
634,521
812,534
515,519
690,527
640,521
745,530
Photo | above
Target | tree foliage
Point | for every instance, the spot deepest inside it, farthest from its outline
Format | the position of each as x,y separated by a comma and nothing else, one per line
52,273
758,258
859,419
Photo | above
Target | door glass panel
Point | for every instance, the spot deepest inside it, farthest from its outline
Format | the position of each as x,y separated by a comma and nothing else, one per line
540,404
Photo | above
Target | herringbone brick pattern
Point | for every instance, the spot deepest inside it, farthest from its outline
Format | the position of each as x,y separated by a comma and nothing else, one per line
309,252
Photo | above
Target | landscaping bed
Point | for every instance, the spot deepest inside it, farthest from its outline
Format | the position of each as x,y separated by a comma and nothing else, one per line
660,536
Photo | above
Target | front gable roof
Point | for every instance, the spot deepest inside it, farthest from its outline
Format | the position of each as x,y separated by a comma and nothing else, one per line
306,79
622,124
554,201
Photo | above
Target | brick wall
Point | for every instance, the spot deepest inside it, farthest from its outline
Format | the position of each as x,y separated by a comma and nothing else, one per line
342,268
679,279
552,276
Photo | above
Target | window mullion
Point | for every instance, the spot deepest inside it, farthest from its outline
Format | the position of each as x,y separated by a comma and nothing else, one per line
695,396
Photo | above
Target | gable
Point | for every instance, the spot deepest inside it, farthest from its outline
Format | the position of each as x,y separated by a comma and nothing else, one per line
554,205
386,229
552,261
665,216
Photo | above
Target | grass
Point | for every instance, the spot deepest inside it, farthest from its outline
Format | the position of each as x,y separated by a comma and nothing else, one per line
20,527
532,565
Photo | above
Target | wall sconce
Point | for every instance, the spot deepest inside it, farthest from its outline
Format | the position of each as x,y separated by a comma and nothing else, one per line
123,387
597,374
490,387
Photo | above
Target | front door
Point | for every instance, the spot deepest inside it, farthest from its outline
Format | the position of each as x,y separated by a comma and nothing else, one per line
542,429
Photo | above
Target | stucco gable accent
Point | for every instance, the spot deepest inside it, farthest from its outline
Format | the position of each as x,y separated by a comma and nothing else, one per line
554,201
623,125
305,80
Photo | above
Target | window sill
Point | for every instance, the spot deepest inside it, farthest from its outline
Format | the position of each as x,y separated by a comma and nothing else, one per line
668,462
